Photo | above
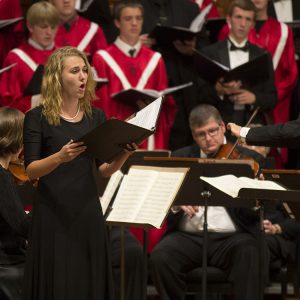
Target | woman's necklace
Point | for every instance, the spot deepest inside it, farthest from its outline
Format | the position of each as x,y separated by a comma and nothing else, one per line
72,118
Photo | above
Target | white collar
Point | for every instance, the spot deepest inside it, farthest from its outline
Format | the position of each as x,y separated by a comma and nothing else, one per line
35,45
125,47
234,42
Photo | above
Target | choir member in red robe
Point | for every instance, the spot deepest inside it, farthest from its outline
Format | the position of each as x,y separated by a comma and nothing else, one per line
11,35
42,21
145,69
77,31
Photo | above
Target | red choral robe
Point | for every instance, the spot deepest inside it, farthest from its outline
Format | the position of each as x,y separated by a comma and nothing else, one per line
78,32
14,81
11,36
214,12
285,70
133,68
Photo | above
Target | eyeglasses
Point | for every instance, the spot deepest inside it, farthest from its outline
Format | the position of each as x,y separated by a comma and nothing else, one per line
201,135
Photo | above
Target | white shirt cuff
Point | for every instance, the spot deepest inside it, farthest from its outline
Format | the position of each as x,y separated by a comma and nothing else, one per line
244,132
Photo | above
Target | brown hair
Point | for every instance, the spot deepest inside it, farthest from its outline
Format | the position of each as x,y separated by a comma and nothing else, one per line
11,131
242,4
120,5
42,12
201,114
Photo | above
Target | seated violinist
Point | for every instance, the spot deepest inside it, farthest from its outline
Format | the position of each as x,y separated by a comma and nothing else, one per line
232,243
14,223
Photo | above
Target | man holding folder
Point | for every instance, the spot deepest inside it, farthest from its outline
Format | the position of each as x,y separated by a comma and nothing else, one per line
234,100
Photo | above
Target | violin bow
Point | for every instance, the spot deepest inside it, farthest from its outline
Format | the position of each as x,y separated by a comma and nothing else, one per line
238,139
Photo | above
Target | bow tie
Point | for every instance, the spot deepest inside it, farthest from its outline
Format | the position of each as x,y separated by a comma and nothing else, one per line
234,47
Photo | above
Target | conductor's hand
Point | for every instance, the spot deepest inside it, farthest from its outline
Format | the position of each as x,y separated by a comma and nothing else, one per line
190,210
235,129
71,150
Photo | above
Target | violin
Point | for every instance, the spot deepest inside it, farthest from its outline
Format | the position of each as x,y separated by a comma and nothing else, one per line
229,151
17,169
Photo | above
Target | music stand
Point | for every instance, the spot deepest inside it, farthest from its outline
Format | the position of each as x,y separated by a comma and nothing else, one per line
289,179
187,196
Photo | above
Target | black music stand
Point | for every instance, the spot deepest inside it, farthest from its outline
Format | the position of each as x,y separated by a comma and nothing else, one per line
192,183
145,227
289,179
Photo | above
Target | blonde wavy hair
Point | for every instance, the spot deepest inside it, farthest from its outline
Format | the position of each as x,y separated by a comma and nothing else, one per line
51,99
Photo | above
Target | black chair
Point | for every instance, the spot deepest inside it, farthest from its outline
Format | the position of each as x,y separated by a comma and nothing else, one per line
218,285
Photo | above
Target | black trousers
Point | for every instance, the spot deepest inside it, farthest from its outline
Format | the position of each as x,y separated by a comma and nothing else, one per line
179,252
133,264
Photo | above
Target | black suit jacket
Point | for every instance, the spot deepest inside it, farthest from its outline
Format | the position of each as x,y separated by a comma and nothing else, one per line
180,68
277,135
265,92
178,13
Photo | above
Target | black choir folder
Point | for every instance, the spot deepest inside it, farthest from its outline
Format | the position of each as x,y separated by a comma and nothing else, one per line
35,83
165,35
132,95
143,196
250,73
7,22
7,68
107,141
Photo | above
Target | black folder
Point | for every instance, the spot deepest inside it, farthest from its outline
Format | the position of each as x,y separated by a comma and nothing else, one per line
250,73
108,140
8,22
7,68
100,82
35,83
213,27
166,35
132,95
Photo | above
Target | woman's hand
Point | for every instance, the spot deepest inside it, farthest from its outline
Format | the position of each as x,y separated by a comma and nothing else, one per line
70,151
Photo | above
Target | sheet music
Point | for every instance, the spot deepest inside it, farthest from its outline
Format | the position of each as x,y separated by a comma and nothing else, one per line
110,190
230,184
157,203
147,116
145,196
135,185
